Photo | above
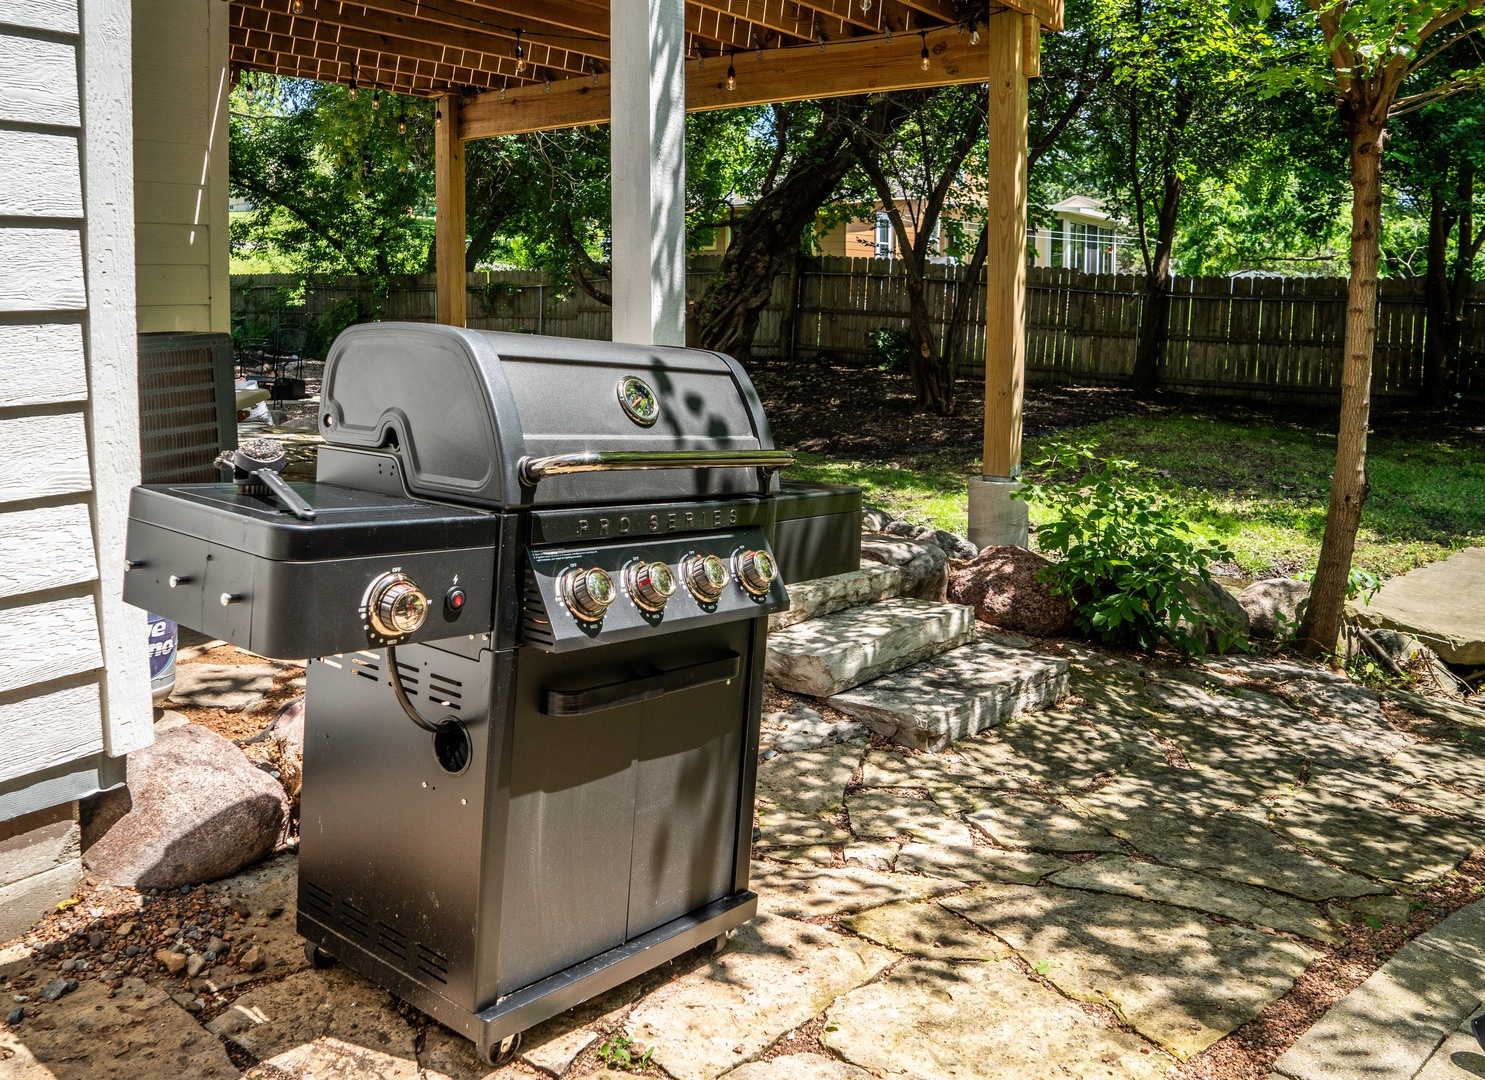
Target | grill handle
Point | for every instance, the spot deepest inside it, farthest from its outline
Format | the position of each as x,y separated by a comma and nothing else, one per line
534,470
646,687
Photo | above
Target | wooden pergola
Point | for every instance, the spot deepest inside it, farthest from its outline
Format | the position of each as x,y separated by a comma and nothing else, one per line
499,67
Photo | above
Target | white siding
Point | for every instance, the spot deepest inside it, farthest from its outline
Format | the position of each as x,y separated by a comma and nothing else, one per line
63,534
48,640
40,84
42,365
180,165
41,270
58,16
49,728
50,185
41,456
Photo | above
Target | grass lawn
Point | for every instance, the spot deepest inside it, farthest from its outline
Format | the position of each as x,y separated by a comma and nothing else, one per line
1259,487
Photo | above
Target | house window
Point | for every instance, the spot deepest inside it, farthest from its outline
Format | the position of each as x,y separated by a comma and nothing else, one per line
884,236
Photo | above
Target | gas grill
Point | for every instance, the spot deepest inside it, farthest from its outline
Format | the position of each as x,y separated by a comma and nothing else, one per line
534,576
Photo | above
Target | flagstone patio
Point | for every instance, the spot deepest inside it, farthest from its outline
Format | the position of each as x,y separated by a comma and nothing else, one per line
1104,889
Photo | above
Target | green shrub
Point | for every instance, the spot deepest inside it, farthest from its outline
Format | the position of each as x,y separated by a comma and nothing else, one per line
889,349
1123,553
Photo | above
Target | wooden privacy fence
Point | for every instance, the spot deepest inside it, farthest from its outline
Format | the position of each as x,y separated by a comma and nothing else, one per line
1262,338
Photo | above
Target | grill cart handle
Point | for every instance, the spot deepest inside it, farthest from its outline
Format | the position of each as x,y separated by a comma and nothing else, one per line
534,470
646,687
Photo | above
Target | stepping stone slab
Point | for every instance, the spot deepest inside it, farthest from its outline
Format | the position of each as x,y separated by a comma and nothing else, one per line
1111,691
234,687
882,814
941,1020
1028,823
951,697
1379,841
824,596
1176,977
137,1034
1123,876
1442,709
1061,748
1391,1024
807,892
825,656
332,1024
885,769
1235,847
968,863
774,975
804,729
1466,804
1458,1056
557,1054
1460,764
1439,604
799,1067
925,929
799,793
1151,787
1215,743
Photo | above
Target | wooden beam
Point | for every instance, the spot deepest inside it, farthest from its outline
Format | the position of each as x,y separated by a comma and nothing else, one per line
1005,266
1031,46
866,65
410,77
483,20
449,235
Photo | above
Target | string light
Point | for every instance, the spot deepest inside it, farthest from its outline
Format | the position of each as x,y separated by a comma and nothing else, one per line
402,123
820,36
376,100
923,56
889,33
297,7
520,54
974,33
437,117
731,74
865,6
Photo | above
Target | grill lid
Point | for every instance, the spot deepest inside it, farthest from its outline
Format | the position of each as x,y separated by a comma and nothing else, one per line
463,408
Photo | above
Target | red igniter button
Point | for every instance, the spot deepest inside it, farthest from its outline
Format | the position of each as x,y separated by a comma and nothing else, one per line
454,600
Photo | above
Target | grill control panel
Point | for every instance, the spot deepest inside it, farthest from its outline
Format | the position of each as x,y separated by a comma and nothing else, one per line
578,596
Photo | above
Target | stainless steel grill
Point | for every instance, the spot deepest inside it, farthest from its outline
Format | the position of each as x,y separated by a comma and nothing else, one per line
535,575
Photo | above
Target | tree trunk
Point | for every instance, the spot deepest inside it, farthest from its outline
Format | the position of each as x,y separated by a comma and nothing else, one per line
1321,626
969,285
1437,355
769,234
1155,314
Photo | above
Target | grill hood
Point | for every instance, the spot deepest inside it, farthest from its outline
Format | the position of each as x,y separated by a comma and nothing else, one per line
462,408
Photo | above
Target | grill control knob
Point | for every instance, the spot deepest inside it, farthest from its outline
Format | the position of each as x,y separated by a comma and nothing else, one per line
397,606
588,593
755,571
651,584
706,576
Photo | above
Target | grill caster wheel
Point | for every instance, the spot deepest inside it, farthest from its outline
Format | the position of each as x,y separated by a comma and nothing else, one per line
719,943
318,957
504,1051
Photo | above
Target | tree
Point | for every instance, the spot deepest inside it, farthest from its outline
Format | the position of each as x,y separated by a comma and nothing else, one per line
1375,59
1175,109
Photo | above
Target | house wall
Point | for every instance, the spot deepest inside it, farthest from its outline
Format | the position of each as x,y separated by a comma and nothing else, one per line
74,688
180,165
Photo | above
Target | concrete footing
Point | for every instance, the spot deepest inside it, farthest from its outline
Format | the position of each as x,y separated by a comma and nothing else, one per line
40,866
994,517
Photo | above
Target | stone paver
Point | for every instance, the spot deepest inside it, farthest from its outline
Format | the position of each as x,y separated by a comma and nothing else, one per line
825,656
799,793
1028,823
1061,748
956,695
974,863
1390,1025
238,688
883,814
940,1020
806,892
1178,978
1457,1057
1378,841
774,975
1462,764
138,1034
1464,716
824,596
1150,788
923,928
331,1024
805,729
1124,876
800,1067
1439,604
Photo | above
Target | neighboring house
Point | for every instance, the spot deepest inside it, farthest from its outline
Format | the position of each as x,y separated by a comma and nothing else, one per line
1085,238
113,310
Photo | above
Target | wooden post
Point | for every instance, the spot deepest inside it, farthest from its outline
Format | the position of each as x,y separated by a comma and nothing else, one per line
448,200
648,177
994,517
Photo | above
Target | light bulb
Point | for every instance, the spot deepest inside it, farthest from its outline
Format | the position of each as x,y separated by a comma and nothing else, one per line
865,5
520,54
353,92
376,99
438,117
923,56
297,7
402,126
731,75
974,34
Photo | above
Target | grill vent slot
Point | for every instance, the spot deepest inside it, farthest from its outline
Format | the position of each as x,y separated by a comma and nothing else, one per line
317,901
354,919
536,628
391,940
367,669
441,688
432,964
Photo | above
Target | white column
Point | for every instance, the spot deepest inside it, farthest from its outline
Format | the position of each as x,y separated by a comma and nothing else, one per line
649,171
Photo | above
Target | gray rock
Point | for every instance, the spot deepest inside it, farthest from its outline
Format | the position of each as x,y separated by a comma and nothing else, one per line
1202,981
875,519
774,975
1222,620
925,567
1002,584
822,596
235,687
1027,823
54,990
799,1067
556,1055
825,656
805,729
956,695
1439,604
1274,606
954,545
947,1020
925,929
883,814
1437,708
194,810
15,1016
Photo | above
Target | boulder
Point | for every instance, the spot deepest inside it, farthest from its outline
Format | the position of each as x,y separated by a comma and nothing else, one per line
194,810
952,544
1224,615
875,519
1001,584
1274,606
925,567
